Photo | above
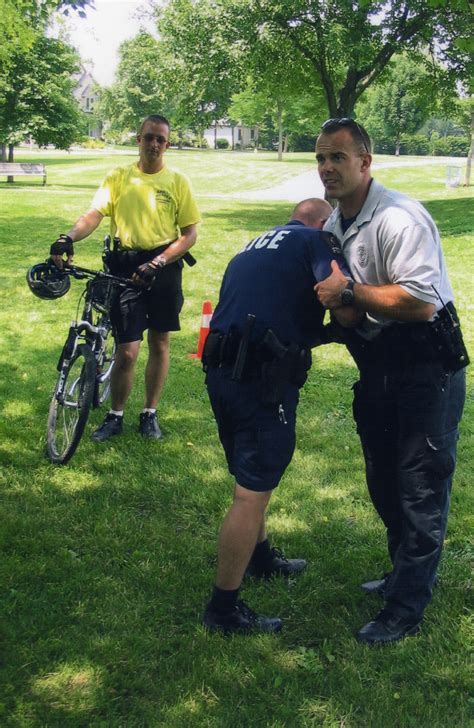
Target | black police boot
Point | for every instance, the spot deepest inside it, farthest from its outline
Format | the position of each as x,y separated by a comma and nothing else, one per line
387,627
377,586
149,426
275,565
112,425
241,620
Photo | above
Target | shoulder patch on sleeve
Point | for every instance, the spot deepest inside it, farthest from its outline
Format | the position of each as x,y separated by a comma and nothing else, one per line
332,242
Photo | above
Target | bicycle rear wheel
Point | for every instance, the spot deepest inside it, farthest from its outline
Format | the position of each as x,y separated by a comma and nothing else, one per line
69,411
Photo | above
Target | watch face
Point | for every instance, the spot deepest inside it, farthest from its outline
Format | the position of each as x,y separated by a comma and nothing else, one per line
347,296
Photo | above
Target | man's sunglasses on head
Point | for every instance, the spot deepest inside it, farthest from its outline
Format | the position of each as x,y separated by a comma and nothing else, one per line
150,137
342,122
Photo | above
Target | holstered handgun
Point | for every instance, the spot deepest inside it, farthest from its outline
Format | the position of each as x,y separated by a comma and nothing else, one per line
288,364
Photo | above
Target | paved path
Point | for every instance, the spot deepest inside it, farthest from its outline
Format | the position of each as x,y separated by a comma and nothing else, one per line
308,184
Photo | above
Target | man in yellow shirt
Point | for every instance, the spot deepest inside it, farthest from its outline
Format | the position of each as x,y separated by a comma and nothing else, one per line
153,213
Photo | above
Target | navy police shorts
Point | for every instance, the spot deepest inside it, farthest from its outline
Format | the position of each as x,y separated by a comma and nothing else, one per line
136,309
258,439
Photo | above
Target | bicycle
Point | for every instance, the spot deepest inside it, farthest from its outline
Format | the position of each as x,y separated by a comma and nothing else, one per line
86,360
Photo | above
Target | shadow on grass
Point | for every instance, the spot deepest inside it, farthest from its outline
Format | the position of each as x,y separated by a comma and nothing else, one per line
453,217
107,564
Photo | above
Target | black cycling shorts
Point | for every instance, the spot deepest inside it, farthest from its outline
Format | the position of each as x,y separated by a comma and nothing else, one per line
157,308
258,439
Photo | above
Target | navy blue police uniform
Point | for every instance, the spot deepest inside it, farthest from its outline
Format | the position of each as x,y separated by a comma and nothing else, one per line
254,401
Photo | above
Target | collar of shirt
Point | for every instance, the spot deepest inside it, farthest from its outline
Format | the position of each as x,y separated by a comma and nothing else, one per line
365,214
296,222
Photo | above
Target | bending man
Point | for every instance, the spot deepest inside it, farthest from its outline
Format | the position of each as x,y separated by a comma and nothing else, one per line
256,357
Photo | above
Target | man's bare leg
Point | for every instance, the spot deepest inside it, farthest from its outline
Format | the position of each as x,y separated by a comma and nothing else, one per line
121,380
237,540
238,535
157,366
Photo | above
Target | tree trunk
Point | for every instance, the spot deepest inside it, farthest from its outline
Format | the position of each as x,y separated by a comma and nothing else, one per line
233,143
3,152
397,146
280,130
285,144
10,159
215,134
470,155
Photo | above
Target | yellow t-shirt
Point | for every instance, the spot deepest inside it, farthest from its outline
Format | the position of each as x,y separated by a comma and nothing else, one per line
146,210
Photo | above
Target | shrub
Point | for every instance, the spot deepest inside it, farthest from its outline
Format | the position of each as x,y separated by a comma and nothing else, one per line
301,142
449,146
91,143
384,146
414,144
222,143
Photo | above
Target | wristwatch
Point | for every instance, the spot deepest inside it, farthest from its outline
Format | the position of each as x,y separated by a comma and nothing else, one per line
347,295
159,262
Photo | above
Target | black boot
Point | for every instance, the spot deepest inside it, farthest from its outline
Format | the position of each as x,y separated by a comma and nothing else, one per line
274,563
241,620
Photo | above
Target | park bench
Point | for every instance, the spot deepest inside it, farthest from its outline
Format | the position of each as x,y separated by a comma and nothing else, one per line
22,169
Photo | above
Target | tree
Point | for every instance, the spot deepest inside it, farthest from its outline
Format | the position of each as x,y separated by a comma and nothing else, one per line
402,103
37,98
466,119
18,18
150,80
206,59
139,88
344,45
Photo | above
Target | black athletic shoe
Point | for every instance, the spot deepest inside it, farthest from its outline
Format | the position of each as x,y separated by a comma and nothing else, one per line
387,627
276,565
149,426
242,620
112,425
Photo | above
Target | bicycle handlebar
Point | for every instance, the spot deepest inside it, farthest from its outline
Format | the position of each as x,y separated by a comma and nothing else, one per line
80,273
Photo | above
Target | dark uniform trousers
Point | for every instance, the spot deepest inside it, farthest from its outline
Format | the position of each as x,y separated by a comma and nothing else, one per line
407,414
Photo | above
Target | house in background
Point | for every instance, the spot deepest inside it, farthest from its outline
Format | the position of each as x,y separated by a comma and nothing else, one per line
239,137
86,94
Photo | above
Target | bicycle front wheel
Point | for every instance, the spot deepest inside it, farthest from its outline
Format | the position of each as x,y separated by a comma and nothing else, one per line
70,405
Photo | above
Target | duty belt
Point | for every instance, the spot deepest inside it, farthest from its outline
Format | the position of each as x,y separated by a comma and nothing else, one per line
268,359
405,344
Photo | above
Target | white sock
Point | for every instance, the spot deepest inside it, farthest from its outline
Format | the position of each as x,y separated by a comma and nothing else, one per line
149,409
117,413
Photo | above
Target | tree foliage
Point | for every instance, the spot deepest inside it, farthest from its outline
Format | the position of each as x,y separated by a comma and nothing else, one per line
206,55
402,103
37,96
344,45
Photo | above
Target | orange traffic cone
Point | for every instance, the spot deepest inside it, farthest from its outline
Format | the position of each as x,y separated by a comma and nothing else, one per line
204,330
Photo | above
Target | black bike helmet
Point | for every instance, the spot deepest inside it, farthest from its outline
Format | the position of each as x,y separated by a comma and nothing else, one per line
47,281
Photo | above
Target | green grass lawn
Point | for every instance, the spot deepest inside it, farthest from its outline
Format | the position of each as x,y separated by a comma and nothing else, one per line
107,563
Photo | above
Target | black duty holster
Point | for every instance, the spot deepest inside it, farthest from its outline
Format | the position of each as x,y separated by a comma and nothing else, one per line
404,344
269,360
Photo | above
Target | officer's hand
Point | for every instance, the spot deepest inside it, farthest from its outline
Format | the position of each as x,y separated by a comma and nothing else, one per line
329,291
63,245
145,274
